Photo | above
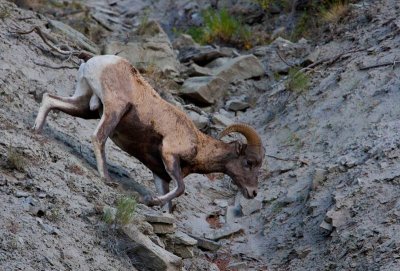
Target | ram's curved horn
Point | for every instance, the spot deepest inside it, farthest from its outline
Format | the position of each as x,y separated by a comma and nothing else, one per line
249,133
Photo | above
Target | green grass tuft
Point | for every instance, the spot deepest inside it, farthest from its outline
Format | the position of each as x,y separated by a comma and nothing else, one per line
221,27
108,216
125,210
297,81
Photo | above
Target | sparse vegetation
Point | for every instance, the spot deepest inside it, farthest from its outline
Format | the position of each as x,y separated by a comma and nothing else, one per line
15,159
297,81
264,4
335,12
144,21
108,215
315,15
54,215
123,213
221,27
4,12
125,210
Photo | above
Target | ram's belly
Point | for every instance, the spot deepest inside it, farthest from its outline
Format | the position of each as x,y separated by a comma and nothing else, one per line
141,141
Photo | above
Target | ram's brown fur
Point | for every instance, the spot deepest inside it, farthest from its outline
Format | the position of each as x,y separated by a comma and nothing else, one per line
157,133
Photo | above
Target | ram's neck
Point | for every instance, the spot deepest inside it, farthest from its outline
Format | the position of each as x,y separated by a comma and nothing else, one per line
212,155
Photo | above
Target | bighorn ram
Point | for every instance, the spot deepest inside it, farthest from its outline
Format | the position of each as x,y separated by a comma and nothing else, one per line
161,136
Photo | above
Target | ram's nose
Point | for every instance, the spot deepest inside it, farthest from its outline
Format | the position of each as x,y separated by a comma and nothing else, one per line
250,192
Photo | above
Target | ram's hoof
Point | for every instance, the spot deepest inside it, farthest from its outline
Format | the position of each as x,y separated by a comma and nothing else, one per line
152,201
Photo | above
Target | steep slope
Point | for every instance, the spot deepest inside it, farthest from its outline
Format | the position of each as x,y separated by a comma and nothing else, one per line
337,207
328,191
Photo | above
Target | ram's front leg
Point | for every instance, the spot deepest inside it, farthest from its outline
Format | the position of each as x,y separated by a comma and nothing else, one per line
162,187
172,166
108,122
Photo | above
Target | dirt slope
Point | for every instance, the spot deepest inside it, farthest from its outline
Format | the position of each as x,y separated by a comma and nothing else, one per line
330,204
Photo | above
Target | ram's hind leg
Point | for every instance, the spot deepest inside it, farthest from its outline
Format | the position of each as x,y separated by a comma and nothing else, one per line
109,120
80,105
74,106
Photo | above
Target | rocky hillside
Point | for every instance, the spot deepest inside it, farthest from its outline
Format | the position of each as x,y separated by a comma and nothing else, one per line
326,110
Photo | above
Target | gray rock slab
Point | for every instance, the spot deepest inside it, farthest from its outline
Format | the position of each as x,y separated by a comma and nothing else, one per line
159,218
181,238
206,244
204,89
224,232
152,48
238,68
162,228
201,55
80,39
237,105
152,256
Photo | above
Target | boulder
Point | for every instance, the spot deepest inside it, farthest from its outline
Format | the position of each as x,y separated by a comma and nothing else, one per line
159,218
150,47
237,104
196,70
181,244
224,232
80,39
146,255
276,56
238,68
202,54
201,122
221,72
181,238
182,251
204,89
221,120
183,41
163,228
206,244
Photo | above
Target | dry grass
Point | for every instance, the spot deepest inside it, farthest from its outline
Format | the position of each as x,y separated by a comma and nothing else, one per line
15,159
336,12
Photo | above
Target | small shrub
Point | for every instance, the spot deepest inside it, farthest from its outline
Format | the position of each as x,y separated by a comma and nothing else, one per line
335,12
144,21
220,26
297,81
15,159
108,216
264,4
125,210
4,12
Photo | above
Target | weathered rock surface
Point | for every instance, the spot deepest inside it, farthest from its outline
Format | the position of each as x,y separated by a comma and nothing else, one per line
147,255
202,54
147,49
163,228
275,55
80,39
238,68
157,218
237,104
345,125
224,232
206,244
204,89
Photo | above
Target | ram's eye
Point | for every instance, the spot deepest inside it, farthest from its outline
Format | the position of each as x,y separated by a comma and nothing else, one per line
249,163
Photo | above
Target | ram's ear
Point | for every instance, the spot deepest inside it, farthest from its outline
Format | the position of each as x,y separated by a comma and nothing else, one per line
240,148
